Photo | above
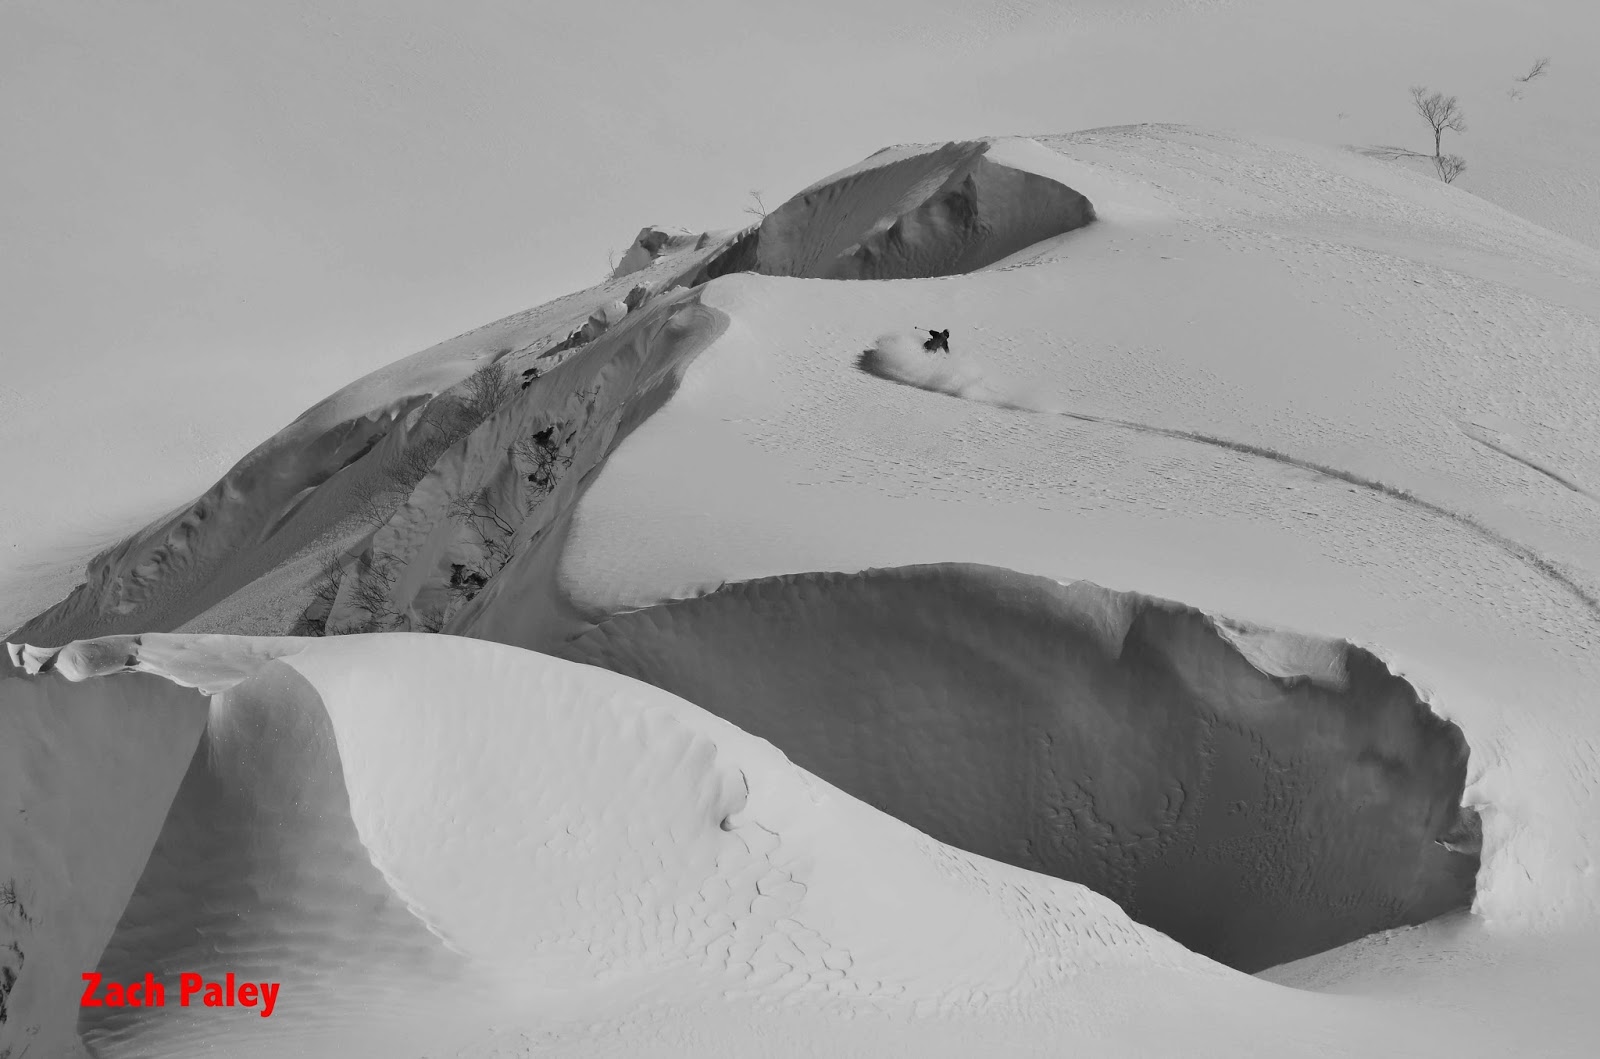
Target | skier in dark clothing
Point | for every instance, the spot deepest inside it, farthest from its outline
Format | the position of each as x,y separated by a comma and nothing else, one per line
937,340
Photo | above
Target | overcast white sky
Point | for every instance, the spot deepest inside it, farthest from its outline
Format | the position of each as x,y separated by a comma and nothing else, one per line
213,213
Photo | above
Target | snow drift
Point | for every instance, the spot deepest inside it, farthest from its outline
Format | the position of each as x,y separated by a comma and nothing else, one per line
359,491
905,213
646,442
1118,741
372,820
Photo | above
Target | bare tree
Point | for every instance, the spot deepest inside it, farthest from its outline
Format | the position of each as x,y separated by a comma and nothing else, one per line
1441,112
486,390
429,619
756,208
1536,70
324,592
1449,166
375,577
325,586
494,531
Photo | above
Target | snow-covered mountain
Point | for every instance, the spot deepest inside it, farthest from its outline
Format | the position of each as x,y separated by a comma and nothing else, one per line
214,215
843,747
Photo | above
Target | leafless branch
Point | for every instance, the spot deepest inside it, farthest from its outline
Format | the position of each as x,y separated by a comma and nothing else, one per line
1449,166
494,532
371,590
1536,70
486,390
431,619
541,457
324,591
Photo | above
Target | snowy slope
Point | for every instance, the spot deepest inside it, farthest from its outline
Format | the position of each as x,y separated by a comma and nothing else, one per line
678,888
1334,311
1263,385
215,215
421,474
416,812
1287,385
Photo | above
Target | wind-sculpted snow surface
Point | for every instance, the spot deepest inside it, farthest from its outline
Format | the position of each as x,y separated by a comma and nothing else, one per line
86,775
373,820
907,213
394,502
387,457
1264,356
1114,740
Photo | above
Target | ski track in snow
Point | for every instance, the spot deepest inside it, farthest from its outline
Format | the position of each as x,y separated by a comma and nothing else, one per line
972,387
1539,562
1488,440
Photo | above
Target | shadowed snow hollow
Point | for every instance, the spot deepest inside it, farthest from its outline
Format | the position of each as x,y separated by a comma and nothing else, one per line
908,213
1258,797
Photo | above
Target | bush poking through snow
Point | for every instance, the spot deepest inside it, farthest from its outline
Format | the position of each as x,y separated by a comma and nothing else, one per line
486,390
493,533
371,593
11,902
324,593
437,428
1449,166
540,459
1537,70
430,619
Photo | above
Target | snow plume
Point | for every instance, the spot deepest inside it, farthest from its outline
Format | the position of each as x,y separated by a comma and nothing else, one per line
899,357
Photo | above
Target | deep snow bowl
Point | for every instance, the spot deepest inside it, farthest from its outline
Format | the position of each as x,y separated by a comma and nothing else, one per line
1257,797
907,213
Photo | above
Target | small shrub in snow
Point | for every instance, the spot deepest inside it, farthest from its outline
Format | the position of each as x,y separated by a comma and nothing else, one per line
1536,70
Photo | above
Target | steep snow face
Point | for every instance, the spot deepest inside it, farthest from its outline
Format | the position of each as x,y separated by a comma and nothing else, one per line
909,212
1117,741
652,244
86,775
391,452
260,871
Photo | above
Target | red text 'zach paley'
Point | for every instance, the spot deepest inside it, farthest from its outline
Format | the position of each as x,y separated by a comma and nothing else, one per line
151,993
